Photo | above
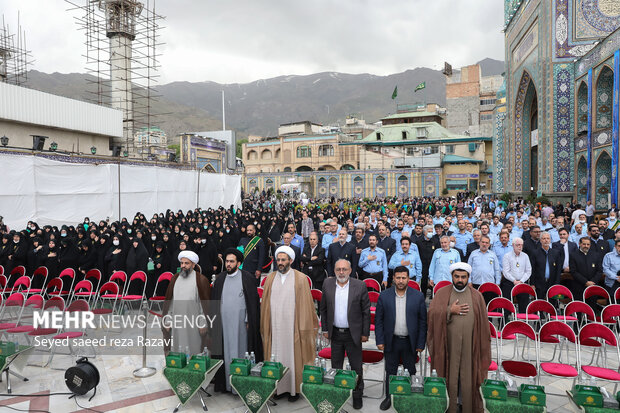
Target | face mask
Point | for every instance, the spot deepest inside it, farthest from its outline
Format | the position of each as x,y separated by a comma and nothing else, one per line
63,235
129,231
227,231
452,244
153,238
116,242
204,241
182,232
16,241
204,226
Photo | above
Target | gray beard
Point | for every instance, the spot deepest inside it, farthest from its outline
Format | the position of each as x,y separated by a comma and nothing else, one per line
286,270
184,273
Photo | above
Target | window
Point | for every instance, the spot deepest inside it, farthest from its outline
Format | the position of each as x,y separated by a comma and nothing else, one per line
490,101
431,149
404,135
412,151
326,150
421,132
486,117
378,136
304,152
449,148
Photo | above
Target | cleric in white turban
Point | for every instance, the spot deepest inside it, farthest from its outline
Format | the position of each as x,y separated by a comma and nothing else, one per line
187,295
460,266
287,250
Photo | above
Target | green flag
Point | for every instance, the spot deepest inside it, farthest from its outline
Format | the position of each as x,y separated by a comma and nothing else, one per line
420,86
395,92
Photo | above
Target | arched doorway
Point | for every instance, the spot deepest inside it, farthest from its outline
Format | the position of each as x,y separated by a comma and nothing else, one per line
269,184
582,181
402,184
582,109
358,187
322,187
303,168
604,98
602,181
380,187
333,186
347,167
526,136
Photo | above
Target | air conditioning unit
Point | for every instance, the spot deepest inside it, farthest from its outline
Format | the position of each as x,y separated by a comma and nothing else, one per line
416,149
427,151
375,149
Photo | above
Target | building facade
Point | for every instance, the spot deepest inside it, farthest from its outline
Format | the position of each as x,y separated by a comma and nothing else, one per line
560,129
411,154
203,153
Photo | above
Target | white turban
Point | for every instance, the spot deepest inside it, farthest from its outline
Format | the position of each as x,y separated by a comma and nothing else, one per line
190,255
460,266
287,250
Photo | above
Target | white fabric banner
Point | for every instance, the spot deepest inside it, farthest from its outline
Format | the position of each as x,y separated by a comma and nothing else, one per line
55,193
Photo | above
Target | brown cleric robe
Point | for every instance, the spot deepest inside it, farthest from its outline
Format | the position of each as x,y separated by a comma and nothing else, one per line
304,328
460,346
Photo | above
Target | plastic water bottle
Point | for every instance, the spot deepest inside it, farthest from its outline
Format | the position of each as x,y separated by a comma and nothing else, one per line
187,355
400,372
205,352
252,358
347,365
406,374
273,357
317,362
324,365
434,373
246,356
16,342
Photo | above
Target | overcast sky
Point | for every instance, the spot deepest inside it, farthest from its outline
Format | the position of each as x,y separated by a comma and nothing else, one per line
239,41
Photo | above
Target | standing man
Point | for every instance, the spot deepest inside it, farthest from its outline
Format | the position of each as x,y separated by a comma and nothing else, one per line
359,241
443,258
313,259
296,240
288,321
462,237
585,267
287,240
517,269
340,249
484,264
345,320
407,257
239,314
187,295
373,262
400,327
307,226
547,265
386,243
254,253
427,245
459,340
611,268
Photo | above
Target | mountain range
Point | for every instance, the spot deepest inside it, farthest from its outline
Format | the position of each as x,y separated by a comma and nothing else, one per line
259,107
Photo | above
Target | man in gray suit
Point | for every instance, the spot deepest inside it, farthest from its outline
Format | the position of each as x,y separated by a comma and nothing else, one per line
345,319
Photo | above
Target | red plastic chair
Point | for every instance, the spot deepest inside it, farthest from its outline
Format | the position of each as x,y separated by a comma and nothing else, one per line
309,281
39,273
158,298
599,336
94,275
537,308
34,302
552,332
66,278
12,310
413,284
108,293
373,297
520,368
262,282
500,303
440,285
83,290
494,336
22,284
596,291
522,289
75,307
260,292
373,357
3,284
559,293
611,315
575,308
317,295
135,277
490,288
373,284
617,296
1,270
53,304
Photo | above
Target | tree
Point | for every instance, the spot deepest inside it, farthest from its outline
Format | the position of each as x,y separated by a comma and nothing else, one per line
177,150
239,148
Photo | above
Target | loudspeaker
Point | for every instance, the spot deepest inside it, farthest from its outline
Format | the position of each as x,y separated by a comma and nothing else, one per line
38,142
116,151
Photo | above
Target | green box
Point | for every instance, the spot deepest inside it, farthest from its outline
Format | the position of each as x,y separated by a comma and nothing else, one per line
587,396
313,375
435,386
400,385
494,389
240,367
346,379
199,363
272,370
176,360
532,394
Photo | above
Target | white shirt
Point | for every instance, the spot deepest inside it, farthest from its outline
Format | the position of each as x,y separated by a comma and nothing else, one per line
341,306
516,267
283,276
566,262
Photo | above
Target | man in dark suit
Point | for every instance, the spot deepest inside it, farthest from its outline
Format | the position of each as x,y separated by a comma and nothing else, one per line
359,241
345,320
254,253
386,243
567,248
598,243
532,243
287,238
586,269
473,246
400,326
313,260
546,265
340,249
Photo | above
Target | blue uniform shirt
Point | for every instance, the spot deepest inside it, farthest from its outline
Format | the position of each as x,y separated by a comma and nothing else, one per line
415,264
298,241
327,241
611,266
462,240
485,267
439,269
500,251
379,264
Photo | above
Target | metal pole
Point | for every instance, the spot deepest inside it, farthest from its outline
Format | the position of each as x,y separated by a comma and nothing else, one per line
119,191
144,371
223,112
198,191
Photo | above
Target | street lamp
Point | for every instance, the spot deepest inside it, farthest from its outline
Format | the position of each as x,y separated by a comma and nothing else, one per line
93,150
53,146
4,141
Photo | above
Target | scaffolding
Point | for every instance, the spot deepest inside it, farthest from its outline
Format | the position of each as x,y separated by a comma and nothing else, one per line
14,57
122,37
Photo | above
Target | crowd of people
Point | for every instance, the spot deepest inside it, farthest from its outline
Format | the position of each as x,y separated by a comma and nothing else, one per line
337,243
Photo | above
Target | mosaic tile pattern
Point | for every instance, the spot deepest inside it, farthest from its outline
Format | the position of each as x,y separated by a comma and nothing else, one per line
582,108
380,186
402,183
322,188
603,15
563,151
582,181
430,185
581,144
603,181
563,45
601,138
333,186
518,138
358,186
604,97
498,161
